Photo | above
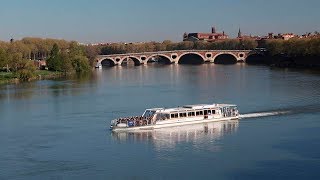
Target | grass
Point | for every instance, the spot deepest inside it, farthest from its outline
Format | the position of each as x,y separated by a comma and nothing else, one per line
47,73
9,77
6,75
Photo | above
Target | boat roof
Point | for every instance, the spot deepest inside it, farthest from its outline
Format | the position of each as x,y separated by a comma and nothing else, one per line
191,107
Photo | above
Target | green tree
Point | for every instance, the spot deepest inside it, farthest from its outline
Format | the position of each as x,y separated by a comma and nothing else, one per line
26,72
80,63
66,65
55,62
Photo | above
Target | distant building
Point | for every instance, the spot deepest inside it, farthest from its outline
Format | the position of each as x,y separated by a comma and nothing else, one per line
241,36
286,36
42,64
213,36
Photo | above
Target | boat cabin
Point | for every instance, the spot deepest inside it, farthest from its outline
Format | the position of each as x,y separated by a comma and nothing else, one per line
190,111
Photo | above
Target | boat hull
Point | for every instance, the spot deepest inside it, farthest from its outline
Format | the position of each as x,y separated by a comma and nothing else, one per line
172,124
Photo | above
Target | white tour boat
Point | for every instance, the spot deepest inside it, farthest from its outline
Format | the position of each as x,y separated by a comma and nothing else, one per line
189,114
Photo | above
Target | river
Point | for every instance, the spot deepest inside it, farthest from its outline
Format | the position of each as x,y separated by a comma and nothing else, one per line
58,129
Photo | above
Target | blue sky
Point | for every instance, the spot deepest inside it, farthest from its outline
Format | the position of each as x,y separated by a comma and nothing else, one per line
152,20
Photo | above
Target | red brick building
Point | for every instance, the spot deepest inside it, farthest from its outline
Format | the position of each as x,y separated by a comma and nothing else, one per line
213,36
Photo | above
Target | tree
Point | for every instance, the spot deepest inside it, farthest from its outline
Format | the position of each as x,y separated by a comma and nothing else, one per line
274,46
3,59
26,72
249,43
91,53
66,65
185,45
80,63
201,45
55,62
16,61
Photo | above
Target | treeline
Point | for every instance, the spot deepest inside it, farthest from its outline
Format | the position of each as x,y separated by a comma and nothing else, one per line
296,53
62,56
294,47
230,44
33,48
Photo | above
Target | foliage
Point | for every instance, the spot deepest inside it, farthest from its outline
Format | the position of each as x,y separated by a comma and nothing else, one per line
3,58
27,71
232,44
294,47
73,59
54,63
274,46
80,63
91,53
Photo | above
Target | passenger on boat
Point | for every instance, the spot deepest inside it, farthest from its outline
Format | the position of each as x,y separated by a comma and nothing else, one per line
137,120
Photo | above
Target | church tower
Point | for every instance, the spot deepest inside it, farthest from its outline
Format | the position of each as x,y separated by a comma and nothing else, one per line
213,30
239,33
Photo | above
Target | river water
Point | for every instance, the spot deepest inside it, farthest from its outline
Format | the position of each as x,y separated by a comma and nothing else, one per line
58,129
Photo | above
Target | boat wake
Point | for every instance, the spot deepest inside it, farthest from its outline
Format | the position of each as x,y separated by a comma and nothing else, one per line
263,114
312,108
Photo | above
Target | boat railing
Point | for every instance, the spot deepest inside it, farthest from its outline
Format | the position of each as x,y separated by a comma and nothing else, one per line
135,121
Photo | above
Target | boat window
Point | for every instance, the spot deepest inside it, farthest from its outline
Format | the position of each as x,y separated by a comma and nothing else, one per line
209,112
172,116
163,116
191,114
205,112
148,113
201,112
176,115
213,111
183,114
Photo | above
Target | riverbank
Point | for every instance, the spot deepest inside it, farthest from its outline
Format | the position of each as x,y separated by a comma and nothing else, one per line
10,77
308,62
285,61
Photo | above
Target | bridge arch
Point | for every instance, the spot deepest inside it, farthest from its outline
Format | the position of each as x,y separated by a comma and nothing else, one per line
166,59
183,60
107,62
225,58
135,59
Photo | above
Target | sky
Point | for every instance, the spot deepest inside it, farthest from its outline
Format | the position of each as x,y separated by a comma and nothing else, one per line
93,21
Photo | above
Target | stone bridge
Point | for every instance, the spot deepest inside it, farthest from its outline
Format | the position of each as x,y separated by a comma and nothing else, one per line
176,57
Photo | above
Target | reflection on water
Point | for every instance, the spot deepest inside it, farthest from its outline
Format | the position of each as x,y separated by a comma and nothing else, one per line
70,86
168,138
